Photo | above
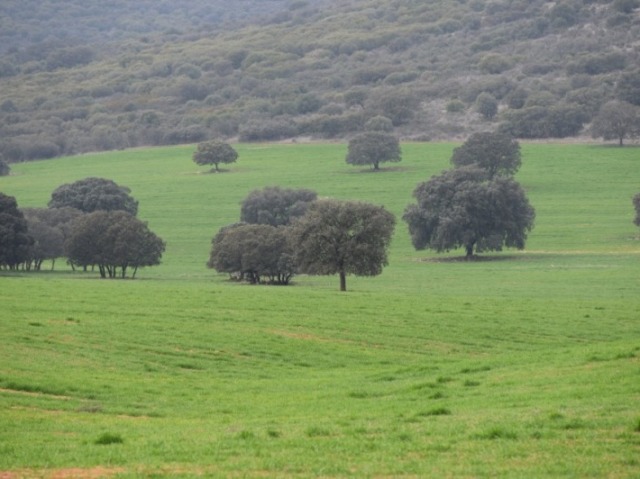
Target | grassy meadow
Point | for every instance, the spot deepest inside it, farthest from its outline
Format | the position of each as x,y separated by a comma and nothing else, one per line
520,365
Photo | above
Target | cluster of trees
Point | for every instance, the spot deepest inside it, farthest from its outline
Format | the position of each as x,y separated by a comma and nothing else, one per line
91,222
287,231
477,205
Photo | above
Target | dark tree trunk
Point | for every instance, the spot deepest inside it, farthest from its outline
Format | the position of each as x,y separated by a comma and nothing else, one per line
621,138
343,281
469,249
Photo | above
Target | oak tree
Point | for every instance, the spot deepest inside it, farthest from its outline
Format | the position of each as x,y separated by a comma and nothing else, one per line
4,167
343,237
616,120
275,206
15,241
115,242
496,153
214,152
373,148
49,228
466,208
93,194
256,253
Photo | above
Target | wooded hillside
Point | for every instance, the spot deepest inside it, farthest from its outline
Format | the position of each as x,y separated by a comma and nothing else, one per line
79,75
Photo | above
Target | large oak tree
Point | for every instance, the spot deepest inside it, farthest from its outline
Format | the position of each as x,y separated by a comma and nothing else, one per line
93,194
214,152
343,237
373,148
465,208
496,153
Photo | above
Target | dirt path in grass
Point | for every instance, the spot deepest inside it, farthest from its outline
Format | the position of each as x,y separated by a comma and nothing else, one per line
70,473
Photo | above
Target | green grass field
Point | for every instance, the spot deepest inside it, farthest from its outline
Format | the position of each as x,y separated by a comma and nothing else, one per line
522,365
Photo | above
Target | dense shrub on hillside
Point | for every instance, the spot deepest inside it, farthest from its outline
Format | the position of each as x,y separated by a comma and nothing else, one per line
544,122
597,64
268,130
494,64
487,105
628,87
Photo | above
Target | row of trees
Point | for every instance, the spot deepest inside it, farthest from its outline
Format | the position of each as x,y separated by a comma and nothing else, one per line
477,205
91,222
369,148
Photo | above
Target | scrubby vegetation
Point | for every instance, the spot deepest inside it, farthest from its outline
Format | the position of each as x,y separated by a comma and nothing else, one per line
149,73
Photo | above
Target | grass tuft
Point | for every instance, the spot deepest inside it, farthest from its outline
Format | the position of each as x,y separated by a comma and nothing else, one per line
317,431
438,411
498,432
246,435
107,438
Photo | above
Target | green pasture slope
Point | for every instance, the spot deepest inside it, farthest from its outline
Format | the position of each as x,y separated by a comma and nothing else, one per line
523,365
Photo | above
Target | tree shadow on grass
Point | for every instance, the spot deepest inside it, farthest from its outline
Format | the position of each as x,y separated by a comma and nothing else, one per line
485,258
616,146
382,169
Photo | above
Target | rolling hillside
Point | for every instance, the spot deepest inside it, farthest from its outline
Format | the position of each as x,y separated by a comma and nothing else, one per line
85,76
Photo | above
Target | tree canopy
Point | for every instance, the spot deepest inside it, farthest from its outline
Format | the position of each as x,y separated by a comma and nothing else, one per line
115,241
616,120
49,228
496,153
252,252
343,237
214,152
4,168
93,194
373,148
15,241
465,208
276,206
